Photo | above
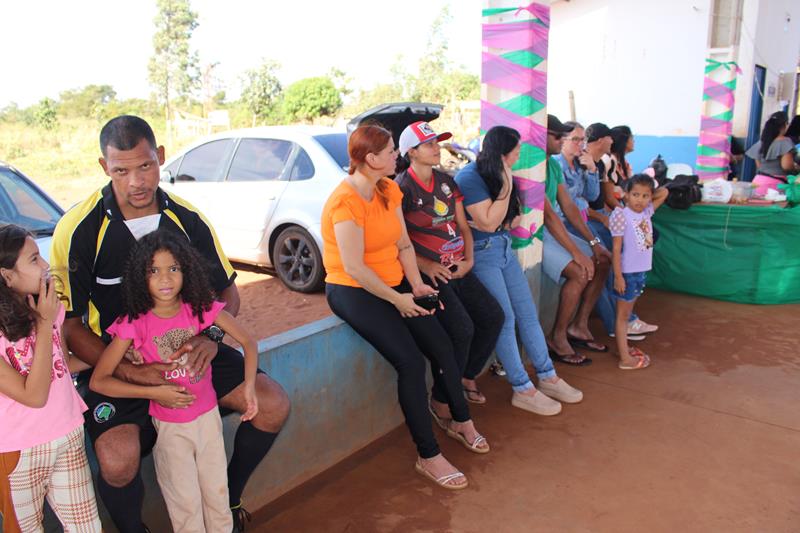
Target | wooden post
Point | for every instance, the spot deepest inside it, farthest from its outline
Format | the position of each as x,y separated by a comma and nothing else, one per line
572,114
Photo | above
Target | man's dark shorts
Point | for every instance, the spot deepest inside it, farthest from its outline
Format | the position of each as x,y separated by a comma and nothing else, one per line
104,413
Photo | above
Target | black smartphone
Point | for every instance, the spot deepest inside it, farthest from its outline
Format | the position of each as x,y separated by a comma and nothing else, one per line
429,301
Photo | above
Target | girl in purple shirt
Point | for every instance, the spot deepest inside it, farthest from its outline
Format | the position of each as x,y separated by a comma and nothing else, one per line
632,230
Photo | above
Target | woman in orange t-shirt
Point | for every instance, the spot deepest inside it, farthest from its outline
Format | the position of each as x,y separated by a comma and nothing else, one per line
372,280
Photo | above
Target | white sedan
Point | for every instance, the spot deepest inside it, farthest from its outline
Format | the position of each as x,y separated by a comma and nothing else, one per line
263,190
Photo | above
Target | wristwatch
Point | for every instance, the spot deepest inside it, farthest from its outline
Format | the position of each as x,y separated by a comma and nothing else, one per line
214,333
593,242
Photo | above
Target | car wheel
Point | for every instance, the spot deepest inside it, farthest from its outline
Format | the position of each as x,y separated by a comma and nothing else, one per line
297,260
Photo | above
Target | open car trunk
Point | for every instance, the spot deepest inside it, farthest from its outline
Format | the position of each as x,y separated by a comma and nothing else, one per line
396,116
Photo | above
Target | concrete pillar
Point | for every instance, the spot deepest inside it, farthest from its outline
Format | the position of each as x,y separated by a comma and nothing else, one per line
716,118
514,93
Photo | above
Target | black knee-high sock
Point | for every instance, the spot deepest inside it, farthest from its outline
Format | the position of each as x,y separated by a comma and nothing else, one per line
124,504
249,447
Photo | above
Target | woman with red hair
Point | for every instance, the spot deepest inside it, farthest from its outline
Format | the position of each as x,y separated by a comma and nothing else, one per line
372,280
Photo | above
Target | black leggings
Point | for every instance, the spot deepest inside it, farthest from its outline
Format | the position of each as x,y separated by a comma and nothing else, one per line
473,320
405,342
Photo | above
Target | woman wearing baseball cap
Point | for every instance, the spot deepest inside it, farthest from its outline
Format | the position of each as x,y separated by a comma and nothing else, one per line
437,225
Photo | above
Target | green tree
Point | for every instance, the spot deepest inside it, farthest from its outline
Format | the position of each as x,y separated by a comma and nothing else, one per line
260,89
218,99
45,113
13,113
172,70
381,94
85,102
341,80
462,85
148,109
438,81
310,98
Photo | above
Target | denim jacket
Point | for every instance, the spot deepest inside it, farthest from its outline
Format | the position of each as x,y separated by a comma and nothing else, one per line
583,186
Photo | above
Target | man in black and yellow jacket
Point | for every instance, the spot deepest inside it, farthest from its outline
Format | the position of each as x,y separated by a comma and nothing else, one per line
91,245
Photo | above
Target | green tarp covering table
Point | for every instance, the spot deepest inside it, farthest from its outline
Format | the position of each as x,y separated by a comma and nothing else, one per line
739,253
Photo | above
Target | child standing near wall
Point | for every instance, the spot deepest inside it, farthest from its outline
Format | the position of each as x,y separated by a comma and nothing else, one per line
632,230
168,300
41,414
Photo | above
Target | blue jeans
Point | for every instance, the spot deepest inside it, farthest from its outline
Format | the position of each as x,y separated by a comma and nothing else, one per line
497,267
634,286
606,305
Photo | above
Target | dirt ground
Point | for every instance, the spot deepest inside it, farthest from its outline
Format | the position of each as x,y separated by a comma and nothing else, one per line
705,440
269,308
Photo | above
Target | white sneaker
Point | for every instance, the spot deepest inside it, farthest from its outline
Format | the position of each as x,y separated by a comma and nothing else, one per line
560,390
639,327
630,337
539,403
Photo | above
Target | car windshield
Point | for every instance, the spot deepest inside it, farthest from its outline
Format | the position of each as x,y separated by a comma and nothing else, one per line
22,204
336,145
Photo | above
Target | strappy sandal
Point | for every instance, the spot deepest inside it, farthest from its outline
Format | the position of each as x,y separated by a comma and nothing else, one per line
445,480
443,423
474,396
473,446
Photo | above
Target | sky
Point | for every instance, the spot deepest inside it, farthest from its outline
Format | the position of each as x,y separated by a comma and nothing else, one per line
48,46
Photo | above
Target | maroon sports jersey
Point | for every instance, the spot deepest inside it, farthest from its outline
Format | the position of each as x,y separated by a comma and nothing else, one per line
430,214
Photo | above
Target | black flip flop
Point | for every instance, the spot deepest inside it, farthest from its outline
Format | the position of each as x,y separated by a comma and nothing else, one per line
563,359
587,344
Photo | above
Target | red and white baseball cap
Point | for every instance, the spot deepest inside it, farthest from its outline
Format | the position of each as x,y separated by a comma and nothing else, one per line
418,133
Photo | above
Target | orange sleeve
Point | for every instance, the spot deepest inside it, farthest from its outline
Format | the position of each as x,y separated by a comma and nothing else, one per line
346,209
394,194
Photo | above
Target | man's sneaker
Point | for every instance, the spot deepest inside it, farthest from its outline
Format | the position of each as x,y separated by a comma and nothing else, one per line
240,514
539,403
640,327
497,369
630,337
560,390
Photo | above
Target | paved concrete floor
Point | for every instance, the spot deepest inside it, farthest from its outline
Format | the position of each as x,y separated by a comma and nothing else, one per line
707,439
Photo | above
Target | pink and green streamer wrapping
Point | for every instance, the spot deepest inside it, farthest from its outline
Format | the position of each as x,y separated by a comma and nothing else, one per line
519,46
714,143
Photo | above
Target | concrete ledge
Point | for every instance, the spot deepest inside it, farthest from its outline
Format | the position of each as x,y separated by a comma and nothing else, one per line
343,394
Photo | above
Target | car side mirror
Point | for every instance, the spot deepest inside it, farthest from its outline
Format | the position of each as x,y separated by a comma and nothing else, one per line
166,175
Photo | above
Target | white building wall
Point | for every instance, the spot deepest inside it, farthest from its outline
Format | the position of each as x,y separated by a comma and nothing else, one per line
770,37
634,62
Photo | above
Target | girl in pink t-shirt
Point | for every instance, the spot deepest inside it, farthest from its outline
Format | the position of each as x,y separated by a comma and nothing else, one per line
168,300
41,415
